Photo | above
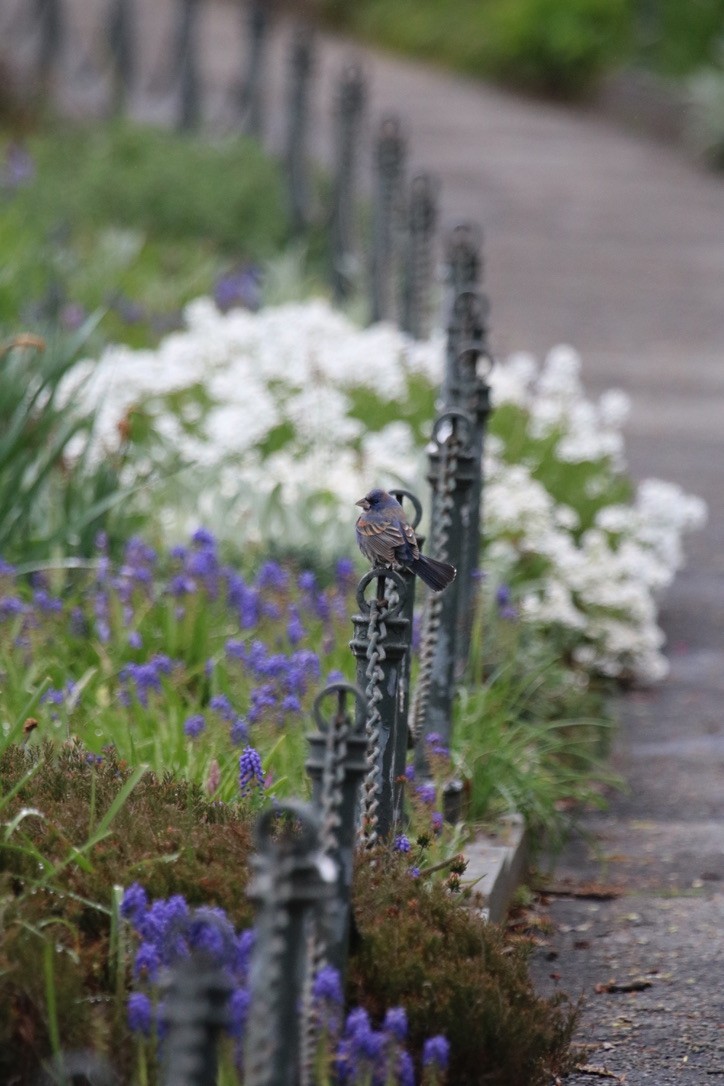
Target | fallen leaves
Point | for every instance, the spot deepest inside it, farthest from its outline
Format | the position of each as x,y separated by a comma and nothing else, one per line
636,984
601,1072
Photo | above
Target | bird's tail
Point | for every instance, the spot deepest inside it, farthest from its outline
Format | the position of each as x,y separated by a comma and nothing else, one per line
436,575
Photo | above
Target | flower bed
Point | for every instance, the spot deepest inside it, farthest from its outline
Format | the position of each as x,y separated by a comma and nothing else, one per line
294,412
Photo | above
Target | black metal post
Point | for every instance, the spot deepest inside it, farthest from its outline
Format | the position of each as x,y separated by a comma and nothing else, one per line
380,645
463,262
300,71
291,880
451,475
336,765
122,49
187,62
418,265
195,1010
350,105
252,92
50,19
389,170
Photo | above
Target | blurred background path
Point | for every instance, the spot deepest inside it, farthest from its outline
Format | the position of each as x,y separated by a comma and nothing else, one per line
614,243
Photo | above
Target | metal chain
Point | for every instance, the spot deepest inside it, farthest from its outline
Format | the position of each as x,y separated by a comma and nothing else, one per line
444,491
262,1029
332,782
376,636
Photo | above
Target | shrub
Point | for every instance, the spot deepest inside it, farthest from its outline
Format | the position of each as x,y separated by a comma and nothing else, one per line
424,949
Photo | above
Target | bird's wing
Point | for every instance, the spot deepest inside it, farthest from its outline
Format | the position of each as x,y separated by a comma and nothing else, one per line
388,540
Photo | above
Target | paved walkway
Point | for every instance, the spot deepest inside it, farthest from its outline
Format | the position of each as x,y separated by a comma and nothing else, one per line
614,244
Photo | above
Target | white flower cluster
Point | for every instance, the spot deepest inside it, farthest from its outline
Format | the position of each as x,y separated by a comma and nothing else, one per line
294,370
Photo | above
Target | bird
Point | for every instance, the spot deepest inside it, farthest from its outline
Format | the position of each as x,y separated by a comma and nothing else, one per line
386,538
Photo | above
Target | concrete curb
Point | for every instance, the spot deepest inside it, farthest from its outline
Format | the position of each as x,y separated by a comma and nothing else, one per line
497,862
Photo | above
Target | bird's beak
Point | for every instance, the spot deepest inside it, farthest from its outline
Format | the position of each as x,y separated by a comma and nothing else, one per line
363,503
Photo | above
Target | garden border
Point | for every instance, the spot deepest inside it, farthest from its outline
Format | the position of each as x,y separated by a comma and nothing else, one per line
497,863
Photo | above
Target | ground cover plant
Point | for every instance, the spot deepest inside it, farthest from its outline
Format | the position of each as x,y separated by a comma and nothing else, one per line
132,221
554,47
292,411
108,873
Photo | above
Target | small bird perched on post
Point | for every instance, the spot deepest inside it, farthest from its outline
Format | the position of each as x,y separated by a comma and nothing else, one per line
387,539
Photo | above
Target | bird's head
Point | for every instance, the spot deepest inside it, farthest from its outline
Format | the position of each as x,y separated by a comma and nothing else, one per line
373,499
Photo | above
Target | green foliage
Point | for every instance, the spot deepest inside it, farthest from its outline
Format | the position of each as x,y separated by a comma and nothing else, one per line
125,212
676,38
69,834
51,498
425,949
556,47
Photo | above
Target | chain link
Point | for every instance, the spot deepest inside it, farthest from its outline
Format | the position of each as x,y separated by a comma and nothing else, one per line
376,636
444,492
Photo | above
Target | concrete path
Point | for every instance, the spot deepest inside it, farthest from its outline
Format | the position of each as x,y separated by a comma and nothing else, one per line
615,244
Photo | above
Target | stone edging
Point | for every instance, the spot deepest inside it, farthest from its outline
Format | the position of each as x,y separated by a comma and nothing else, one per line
497,861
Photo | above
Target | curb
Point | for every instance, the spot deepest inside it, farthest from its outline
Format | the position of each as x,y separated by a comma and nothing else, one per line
497,863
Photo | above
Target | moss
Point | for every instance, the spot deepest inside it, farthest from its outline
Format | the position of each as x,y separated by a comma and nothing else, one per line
167,835
428,951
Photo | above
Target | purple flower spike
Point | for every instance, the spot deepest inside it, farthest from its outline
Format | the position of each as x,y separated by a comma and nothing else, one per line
402,843
140,1013
134,902
251,773
327,986
194,726
396,1023
436,1052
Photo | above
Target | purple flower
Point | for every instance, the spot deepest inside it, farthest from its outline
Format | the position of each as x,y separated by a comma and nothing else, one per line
437,821
396,1023
135,640
405,1069
502,595
410,772
19,167
148,960
194,725
344,572
414,872
204,538
271,575
250,770
134,902
327,985
241,287
436,1052
238,1011
295,629
426,792
307,581
239,731
291,704
221,705
140,1013
402,843
242,956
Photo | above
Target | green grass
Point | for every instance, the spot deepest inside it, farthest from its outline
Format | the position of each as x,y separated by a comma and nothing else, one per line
147,215
554,47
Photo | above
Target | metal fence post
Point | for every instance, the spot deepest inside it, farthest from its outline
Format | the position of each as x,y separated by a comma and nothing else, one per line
187,62
291,879
451,474
418,265
463,270
300,71
389,170
50,18
336,765
380,646
252,91
350,105
122,49
195,1010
